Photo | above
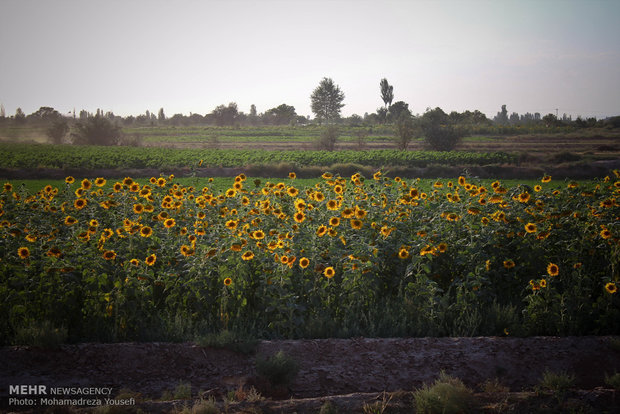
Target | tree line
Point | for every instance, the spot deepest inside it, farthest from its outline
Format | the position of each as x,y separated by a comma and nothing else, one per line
441,130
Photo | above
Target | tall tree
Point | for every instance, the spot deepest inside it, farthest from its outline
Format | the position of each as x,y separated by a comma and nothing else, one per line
20,116
161,116
502,117
225,115
387,92
281,115
397,110
326,101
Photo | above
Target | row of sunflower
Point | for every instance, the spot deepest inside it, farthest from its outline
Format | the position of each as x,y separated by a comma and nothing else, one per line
347,256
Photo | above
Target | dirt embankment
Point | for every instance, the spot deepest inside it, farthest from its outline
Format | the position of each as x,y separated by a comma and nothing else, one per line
595,169
327,367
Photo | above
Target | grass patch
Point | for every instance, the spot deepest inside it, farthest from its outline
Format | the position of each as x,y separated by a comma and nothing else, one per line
183,391
446,396
279,369
208,406
328,408
613,381
557,382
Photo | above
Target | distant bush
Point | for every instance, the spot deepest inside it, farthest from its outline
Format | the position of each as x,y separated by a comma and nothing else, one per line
439,131
328,138
57,131
96,130
405,130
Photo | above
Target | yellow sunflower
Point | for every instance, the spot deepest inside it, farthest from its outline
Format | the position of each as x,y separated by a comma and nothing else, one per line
356,224
329,272
187,250
168,223
23,252
509,264
150,260
146,231
403,253
334,221
524,197
321,230
553,269
80,203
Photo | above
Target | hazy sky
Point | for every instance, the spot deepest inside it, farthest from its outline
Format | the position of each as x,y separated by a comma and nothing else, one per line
190,56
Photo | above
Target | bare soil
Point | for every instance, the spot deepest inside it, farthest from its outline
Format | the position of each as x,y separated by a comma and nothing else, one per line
349,372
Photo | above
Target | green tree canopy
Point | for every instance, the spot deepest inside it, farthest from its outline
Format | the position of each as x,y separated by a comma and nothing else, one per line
438,129
398,110
326,101
387,92
281,115
225,115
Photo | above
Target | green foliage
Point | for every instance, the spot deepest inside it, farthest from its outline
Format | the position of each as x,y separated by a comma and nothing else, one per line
225,115
447,395
439,131
423,259
328,408
234,341
405,130
328,138
94,157
96,130
57,131
387,92
279,369
183,391
557,382
326,101
41,334
397,111
613,381
378,407
202,406
281,115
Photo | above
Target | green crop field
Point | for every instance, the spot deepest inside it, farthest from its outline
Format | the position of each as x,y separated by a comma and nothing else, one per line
91,157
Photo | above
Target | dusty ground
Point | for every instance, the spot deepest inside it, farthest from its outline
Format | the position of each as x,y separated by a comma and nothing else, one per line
349,371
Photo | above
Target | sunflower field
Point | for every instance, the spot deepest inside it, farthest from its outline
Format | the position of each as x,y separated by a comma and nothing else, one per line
349,256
